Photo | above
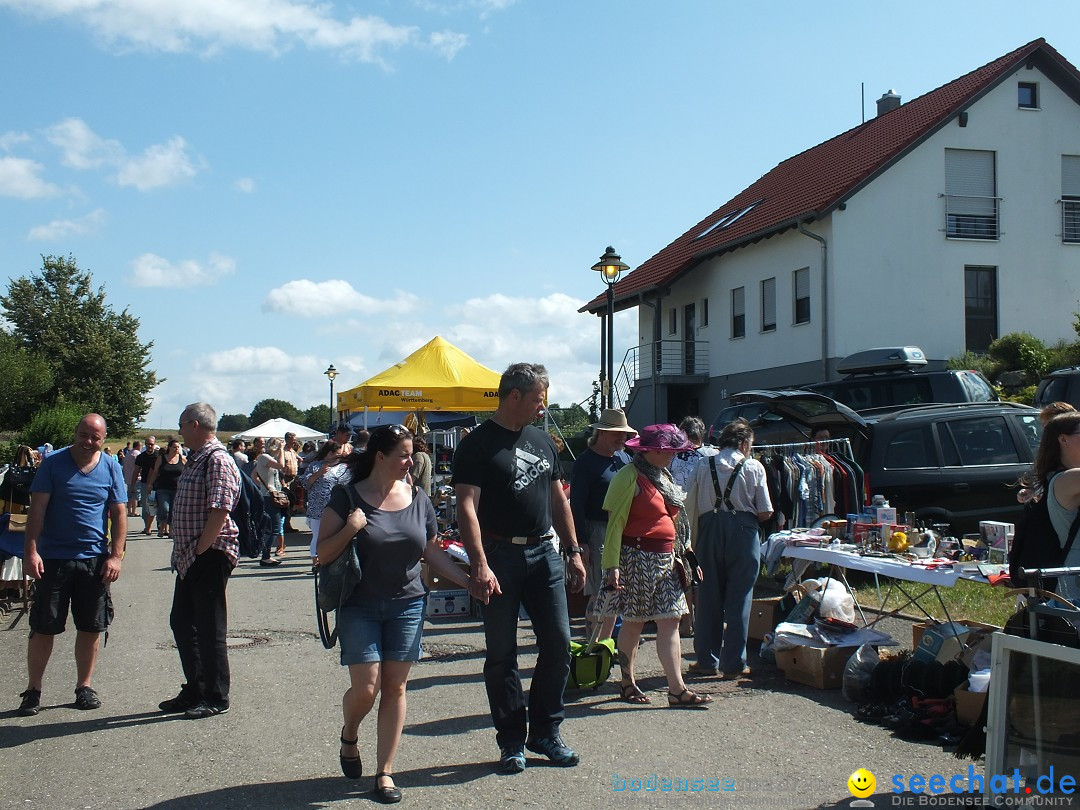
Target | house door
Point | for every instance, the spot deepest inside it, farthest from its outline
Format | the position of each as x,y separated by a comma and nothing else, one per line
689,335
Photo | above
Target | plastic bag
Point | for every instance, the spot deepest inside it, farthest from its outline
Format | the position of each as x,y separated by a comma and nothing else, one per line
837,602
768,654
857,674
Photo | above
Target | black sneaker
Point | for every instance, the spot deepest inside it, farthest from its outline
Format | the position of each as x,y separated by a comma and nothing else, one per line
31,702
511,759
554,749
179,704
205,709
86,698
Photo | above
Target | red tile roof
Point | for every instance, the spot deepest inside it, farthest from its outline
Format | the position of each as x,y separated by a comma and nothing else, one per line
811,184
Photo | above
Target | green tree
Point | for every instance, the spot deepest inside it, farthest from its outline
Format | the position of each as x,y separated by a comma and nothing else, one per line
93,351
55,425
274,409
25,381
317,417
233,422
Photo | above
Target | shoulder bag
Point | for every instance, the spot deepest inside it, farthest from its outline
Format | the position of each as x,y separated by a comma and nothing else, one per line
335,582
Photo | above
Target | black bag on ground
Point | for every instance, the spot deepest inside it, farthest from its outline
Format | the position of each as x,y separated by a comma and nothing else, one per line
1036,544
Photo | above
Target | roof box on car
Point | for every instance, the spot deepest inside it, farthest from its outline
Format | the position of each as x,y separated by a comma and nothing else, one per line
894,358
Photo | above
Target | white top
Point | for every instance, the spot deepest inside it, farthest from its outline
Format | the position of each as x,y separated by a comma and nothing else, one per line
749,494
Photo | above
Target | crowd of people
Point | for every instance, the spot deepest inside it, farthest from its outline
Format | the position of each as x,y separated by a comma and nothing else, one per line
649,514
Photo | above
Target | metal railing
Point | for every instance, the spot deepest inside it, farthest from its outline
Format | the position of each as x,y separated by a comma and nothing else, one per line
1070,220
681,358
968,217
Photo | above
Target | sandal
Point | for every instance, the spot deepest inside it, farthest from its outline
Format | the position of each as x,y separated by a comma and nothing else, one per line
350,766
386,795
632,694
687,699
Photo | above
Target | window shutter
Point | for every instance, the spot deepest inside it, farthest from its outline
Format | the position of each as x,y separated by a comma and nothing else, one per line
768,304
1070,175
969,180
802,283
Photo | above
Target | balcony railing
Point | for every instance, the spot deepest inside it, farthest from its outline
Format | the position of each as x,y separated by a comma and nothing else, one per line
664,358
1070,220
969,217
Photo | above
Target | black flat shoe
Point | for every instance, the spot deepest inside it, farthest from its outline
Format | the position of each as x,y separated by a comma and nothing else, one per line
386,795
352,767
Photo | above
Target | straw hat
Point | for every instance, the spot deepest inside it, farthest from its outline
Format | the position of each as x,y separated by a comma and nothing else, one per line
613,419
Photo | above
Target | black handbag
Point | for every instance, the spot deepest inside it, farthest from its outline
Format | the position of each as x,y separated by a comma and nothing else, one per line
335,582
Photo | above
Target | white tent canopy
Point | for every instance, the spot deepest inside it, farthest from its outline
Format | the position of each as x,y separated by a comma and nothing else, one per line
279,427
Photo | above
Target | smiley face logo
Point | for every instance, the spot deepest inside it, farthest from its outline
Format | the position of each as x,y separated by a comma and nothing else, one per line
861,783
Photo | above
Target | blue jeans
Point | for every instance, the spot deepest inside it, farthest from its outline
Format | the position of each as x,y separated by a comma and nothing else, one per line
374,630
729,552
532,576
275,526
164,509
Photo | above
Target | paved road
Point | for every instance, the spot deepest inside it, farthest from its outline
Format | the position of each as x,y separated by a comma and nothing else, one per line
782,745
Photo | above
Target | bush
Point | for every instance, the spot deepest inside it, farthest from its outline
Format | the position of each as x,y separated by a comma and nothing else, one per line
1025,396
55,425
1020,351
974,362
1063,355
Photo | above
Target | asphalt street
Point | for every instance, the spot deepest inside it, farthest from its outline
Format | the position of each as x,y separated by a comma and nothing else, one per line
764,742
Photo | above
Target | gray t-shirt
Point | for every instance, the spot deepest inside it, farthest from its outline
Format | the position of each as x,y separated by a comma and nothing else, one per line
390,546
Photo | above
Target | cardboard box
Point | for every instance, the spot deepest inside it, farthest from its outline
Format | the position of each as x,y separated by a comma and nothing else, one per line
969,705
937,642
448,603
996,534
883,514
814,666
764,616
917,630
434,582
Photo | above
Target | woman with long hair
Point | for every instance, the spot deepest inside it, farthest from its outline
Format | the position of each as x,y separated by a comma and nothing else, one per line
326,470
163,480
267,475
393,526
646,528
1057,477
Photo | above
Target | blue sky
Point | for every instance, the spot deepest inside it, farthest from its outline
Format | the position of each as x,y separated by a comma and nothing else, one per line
272,186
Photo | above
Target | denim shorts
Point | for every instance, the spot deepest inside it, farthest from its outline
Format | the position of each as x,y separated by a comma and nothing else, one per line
375,630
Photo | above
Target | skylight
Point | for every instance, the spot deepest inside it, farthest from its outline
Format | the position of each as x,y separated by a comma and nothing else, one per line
729,219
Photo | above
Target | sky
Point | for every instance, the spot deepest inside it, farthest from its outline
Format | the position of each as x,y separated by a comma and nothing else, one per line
272,186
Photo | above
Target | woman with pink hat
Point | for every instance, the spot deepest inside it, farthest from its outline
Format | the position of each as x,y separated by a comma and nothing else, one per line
646,528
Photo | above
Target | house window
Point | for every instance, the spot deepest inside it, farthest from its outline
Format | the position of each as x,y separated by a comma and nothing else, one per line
1027,95
729,219
1070,198
673,321
704,312
971,204
801,286
768,305
980,307
738,312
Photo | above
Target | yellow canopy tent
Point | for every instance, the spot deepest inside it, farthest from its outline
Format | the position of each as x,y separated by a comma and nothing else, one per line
436,377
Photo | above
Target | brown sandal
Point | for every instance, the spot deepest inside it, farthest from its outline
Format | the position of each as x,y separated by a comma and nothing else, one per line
632,694
687,699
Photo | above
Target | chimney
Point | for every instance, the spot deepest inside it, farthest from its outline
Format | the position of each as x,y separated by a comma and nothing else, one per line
888,102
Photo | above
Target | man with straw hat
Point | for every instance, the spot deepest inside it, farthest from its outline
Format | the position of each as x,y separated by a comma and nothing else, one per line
593,471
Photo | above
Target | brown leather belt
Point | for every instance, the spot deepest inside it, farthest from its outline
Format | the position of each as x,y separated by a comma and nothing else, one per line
519,540
649,544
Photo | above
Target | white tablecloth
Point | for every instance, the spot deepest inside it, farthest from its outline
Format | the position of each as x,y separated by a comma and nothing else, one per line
885,566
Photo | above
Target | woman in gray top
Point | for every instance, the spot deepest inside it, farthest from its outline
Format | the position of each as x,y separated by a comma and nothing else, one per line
393,526
1057,470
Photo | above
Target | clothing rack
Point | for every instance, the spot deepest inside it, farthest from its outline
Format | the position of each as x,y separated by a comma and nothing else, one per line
810,446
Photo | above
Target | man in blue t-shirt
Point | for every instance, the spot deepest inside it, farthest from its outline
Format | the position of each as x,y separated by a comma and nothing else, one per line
509,494
77,501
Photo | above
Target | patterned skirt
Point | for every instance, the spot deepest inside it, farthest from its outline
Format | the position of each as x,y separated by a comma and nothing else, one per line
650,587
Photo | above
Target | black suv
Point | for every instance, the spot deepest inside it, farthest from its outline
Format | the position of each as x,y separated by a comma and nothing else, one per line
1062,385
892,377
953,463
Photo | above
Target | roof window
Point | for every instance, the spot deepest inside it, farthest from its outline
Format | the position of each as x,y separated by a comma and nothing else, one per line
729,219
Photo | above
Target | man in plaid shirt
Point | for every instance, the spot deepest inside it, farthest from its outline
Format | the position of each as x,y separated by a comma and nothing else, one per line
205,549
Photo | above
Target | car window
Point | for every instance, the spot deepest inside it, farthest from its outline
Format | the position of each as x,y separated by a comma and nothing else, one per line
978,390
1052,390
983,440
870,392
910,448
950,456
1031,429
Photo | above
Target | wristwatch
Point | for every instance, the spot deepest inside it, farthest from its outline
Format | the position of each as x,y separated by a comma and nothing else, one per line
573,550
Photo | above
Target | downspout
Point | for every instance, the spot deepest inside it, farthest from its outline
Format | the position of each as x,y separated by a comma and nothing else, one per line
652,351
824,298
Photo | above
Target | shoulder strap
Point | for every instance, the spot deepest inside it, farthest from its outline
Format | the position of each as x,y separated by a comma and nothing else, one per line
724,501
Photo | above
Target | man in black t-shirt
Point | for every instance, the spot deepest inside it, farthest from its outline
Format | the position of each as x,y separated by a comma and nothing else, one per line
145,462
509,496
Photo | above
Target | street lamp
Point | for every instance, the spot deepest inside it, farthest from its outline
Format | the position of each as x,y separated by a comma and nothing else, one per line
332,373
609,267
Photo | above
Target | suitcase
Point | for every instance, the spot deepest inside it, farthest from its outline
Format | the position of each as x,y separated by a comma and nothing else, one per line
590,662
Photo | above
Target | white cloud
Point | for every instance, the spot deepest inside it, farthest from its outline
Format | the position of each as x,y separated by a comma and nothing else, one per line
245,185
447,43
310,299
257,360
208,26
151,270
21,178
160,165
81,147
66,228
10,139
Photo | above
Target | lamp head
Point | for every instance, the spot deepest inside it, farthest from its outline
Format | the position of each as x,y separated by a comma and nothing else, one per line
331,373
610,266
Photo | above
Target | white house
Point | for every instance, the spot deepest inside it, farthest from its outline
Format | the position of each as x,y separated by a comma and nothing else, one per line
943,222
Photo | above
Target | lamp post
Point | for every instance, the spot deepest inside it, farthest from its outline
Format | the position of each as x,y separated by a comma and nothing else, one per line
609,267
332,373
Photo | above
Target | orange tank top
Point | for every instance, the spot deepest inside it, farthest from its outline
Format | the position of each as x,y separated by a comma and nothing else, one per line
650,516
